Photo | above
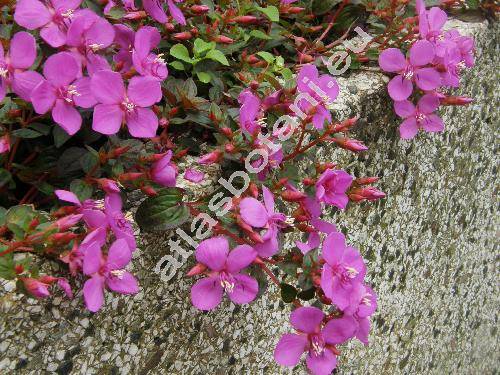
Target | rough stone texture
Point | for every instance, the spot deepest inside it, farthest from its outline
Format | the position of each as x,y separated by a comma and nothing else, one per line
430,245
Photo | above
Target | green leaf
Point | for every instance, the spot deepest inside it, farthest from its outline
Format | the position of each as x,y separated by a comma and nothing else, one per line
217,55
5,177
116,13
162,212
260,35
322,6
81,189
41,128
3,212
306,295
88,161
7,266
204,77
271,12
70,160
177,65
200,46
180,51
288,293
19,218
26,133
269,57
60,136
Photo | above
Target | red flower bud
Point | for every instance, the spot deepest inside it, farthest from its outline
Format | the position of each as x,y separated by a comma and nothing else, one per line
254,190
366,193
456,100
350,144
200,9
197,270
131,176
169,27
210,158
229,148
149,190
135,15
309,181
227,132
366,180
223,39
295,10
186,35
35,287
245,20
292,196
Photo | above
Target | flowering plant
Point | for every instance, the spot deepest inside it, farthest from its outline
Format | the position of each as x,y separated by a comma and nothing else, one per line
102,100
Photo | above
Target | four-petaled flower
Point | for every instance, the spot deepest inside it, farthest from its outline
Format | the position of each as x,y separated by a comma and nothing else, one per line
146,63
224,274
118,105
155,9
331,188
420,117
62,90
163,171
107,271
412,70
315,338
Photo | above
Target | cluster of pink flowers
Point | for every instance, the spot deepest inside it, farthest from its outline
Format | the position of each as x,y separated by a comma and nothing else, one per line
435,62
82,38
107,228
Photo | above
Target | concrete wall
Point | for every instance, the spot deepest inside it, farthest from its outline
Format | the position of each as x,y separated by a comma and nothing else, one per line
431,247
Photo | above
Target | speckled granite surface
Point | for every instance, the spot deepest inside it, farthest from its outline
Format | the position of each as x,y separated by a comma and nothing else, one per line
431,247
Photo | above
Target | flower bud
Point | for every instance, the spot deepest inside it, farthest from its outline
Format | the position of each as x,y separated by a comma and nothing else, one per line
210,158
169,26
67,222
148,190
109,186
253,189
131,176
366,180
367,193
4,144
456,100
350,144
197,270
245,20
295,10
292,196
185,35
35,287
223,39
227,132
200,9
135,15
229,148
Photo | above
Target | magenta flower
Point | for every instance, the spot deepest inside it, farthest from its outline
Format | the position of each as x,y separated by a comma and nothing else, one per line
316,339
61,91
323,88
155,9
119,223
53,16
420,117
412,70
314,239
107,272
193,175
431,22
124,38
146,63
249,111
344,268
35,287
4,144
13,65
88,34
74,258
92,215
163,171
260,215
130,106
363,305
331,188
224,274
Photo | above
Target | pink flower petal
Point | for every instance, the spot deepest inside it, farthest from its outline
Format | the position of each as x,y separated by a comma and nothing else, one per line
22,50
55,74
399,88
176,12
404,108
108,87
144,91
53,35
154,9
124,284
408,128
421,53
428,104
193,175
213,252
67,117
67,196
307,319
31,14
107,118
392,60
338,331
433,123
93,293
322,364
43,97
85,99
142,123
427,79
334,248
290,349
206,294
253,212
119,255
240,257
23,83
245,289
92,258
